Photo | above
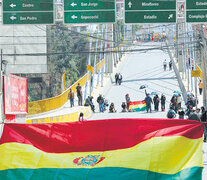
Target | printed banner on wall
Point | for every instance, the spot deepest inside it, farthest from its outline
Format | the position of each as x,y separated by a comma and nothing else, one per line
15,94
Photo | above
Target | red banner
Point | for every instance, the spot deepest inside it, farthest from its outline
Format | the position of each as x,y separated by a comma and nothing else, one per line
15,94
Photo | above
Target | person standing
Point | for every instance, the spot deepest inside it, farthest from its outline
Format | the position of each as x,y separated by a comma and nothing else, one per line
100,101
79,94
120,78
148,101
170,65
179,101
204,119
165,65
116,78
156,101
71,97
127,100
200,86
163,99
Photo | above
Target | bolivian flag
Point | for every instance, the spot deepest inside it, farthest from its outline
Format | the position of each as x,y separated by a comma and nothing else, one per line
117,149
137,106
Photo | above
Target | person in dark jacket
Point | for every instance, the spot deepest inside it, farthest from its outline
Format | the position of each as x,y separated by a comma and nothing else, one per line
100,101
148,101
156,101
193,115
204,119
116,78
163,99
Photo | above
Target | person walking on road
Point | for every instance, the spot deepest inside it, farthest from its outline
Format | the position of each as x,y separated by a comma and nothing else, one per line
120,79
79,94
116,78
165,65
163,99
170,65
200,86
71,97
148,101
127,100
100,101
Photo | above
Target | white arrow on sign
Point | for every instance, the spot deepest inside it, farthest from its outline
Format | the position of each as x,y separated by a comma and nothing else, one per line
73,4
130,4
74,17
12,18
12,5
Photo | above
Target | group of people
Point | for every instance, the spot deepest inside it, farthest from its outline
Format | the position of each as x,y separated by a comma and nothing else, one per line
118,78
79,95
165,65
156,100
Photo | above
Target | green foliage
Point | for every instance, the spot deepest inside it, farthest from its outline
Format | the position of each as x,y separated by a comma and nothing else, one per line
63,41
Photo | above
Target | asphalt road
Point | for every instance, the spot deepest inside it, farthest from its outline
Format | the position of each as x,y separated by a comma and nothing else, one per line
144,68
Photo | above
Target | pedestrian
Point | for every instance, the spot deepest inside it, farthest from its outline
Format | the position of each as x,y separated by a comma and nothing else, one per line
100,101
179,101
116,78
165,64
202,109
79,94
163,99
120,78
81,117
204,119
127,100
181,114
156,101
71,97
148,101
171,113
193,115
112,108
200,86
124,107
170,65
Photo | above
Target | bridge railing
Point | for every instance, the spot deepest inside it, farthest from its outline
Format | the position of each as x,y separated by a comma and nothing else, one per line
56,102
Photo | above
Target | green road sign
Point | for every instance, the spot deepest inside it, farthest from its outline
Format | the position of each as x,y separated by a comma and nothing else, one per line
150,17
28,18
149,4
89,17
196,4
196,16
150,11
196,11
27,5
89,4
89,11
28,12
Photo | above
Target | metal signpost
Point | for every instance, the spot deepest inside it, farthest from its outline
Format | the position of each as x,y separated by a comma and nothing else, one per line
89,11
28,12
150,11
196,11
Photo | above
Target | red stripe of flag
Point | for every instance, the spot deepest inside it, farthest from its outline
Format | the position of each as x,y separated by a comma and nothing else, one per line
101,135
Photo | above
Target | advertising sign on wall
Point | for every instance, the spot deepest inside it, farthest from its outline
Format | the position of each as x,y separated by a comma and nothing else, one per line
15,94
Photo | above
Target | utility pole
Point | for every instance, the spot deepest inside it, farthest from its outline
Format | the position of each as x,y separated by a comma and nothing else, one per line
100,56
88,73
94,64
